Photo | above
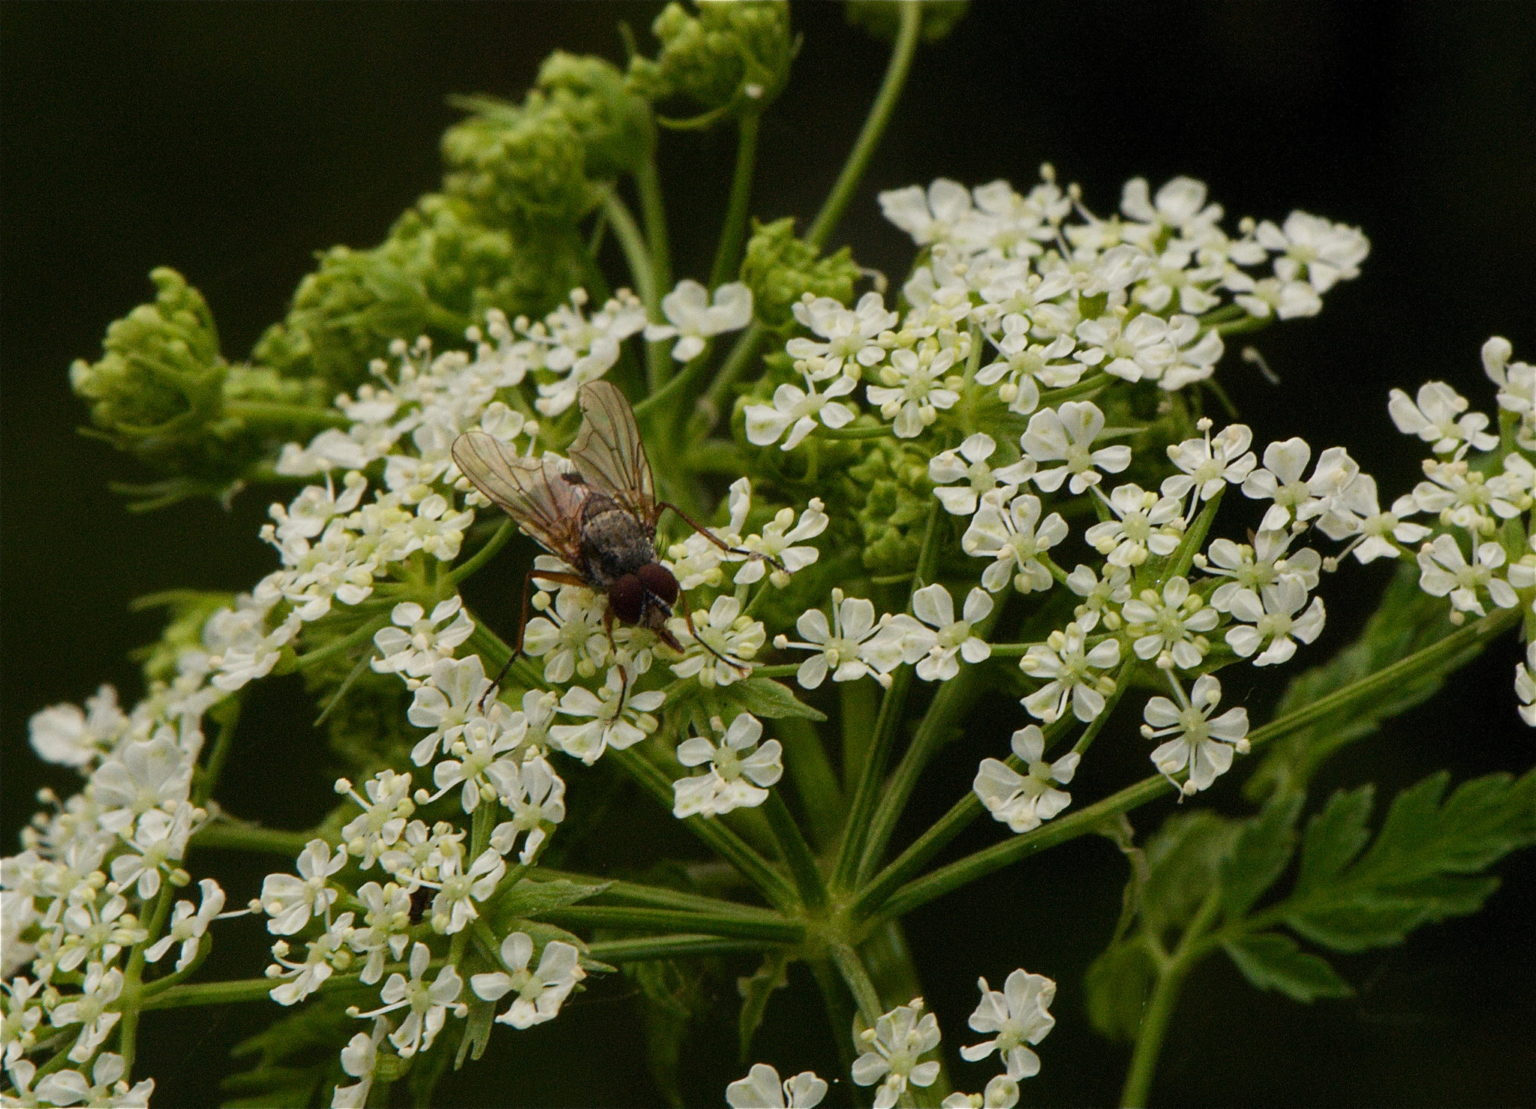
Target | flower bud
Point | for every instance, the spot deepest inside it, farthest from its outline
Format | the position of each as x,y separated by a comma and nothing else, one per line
780,269
730,59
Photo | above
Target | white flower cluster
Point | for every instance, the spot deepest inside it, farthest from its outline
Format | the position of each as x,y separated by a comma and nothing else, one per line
1017,294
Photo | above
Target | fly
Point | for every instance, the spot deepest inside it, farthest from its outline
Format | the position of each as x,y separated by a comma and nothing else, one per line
597,515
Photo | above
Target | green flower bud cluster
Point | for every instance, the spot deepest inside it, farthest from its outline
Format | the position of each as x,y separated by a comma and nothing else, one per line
437,273
518,166
780,269
591,94
731,59
889,488
882,18
162,392
160,379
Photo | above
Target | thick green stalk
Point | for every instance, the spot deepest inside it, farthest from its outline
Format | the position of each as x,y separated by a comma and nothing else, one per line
734,231
699,924
1160,1005
874,127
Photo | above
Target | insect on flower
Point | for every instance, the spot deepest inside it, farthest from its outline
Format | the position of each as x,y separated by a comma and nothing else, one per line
597,513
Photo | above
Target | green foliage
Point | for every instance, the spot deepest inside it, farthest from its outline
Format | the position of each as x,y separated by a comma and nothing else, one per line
729,59
614,124
293,1060
518,167
780,269
756,990
889,489
1353,890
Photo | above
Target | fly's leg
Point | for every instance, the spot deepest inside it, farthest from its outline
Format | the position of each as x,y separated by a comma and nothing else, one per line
716,540
543,575
735,663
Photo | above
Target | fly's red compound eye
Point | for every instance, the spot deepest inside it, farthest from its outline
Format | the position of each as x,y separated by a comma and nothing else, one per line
659,580
626,597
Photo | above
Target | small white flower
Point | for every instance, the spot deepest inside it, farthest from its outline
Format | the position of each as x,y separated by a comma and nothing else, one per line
761,1089
1270,616
415,642
1315,250
852,335
359,1058
1439,416
894,1045
740,769
1200,744
535,796
65,735
796,411
188,925
1065,435
1024,801
291,901
693,317
427,1003
1209,464
607,722
968,464
1144,524
385,811
952,639
1018,1015
1170,626
846,647
779,540
914,387
1445,571
1014,536
446,702
1073,672
722,638
539,993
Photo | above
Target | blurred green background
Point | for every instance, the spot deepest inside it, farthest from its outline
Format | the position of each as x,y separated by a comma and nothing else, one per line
232,141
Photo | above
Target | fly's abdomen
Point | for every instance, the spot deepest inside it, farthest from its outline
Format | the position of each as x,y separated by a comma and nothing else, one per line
613,542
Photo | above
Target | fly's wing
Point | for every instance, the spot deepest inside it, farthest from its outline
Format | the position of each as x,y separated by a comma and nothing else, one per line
535,492
608,451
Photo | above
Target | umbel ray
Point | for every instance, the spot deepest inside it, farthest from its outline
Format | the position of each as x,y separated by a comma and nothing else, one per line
596,511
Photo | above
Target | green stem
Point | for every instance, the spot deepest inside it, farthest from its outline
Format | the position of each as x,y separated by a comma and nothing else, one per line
874,127
851,968
636,254
227,713
722,840
710,405
654,213
132,997
796,852
231,992
734,230
1160,1005
487,552
669,947
630,917
655,897
275,413
243,837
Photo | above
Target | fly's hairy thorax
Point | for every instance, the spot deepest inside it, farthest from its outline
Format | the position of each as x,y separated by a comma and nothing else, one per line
613,541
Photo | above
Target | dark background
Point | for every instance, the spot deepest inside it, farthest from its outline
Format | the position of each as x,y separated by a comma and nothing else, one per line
232,141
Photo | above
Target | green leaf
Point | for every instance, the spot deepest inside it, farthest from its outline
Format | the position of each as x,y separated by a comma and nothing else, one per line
530,898
1335,836
1184,859
768,699
1118,984
293,1059
1421,867
1274,962
756,989
1261,851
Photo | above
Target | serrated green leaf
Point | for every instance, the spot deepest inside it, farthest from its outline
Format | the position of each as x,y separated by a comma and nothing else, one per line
1261,851
1420,867
1335,836
756,989
294,1057
768,700
1118,984
1271,961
